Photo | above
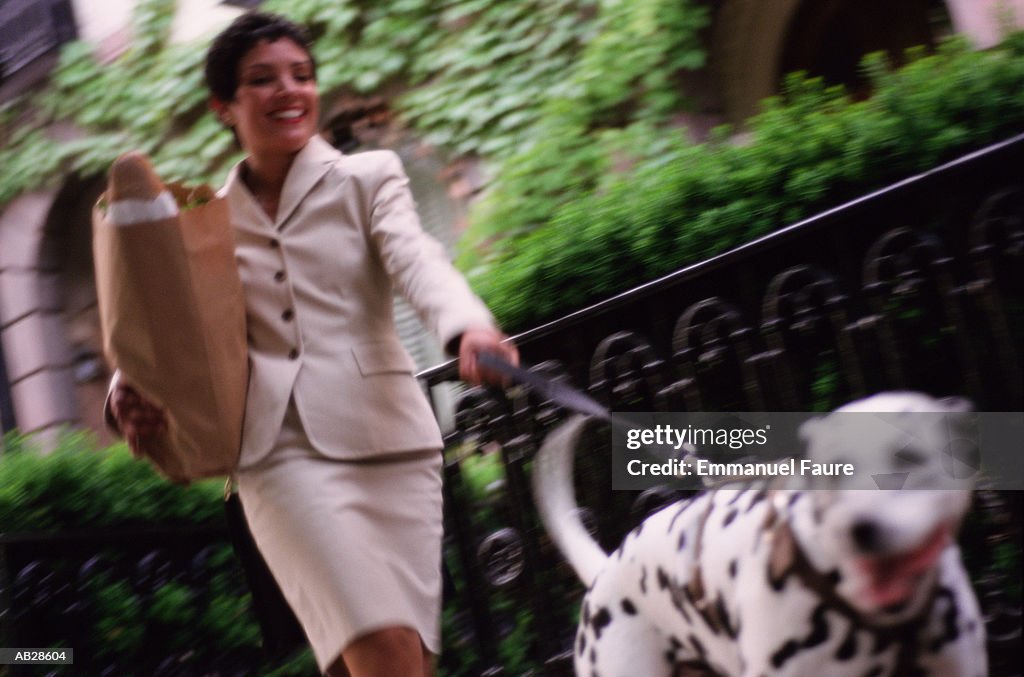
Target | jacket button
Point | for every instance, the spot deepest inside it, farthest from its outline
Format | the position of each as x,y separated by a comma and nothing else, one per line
275,243
279,276
287,315
293,354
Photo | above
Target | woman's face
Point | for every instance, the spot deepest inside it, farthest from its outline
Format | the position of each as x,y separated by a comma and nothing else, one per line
276,105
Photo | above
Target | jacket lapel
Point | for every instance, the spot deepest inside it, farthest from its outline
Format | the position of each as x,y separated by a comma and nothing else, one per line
245,211
309,166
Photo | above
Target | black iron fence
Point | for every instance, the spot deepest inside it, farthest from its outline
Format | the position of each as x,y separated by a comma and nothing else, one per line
919,286
93,591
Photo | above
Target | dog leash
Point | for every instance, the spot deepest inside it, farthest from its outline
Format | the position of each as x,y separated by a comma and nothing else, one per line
561,394
558,392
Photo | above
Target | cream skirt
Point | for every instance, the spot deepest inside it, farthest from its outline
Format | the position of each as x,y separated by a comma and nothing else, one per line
354,546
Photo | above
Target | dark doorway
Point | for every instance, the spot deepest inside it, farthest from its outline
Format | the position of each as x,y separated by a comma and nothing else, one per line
828,38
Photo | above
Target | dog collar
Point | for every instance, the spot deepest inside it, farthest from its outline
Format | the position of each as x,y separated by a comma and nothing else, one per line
786,558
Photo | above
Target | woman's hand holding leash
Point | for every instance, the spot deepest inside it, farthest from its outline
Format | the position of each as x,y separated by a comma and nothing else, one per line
558,392
477,341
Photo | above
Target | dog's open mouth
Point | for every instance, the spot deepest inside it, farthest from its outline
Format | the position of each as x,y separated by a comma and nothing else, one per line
892,579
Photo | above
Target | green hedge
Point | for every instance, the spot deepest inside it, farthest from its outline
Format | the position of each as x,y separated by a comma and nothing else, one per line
79,487
467,76
578,228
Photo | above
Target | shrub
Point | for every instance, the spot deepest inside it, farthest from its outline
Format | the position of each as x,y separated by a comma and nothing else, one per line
192,609
78,486
621,207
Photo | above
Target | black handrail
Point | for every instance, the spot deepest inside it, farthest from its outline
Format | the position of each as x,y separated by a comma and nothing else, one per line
995,153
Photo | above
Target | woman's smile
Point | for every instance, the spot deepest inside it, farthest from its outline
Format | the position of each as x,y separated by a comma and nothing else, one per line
289,115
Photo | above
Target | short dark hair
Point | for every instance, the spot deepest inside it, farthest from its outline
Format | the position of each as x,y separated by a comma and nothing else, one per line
235,41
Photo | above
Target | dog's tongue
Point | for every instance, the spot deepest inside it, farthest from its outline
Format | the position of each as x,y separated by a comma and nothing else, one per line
893,579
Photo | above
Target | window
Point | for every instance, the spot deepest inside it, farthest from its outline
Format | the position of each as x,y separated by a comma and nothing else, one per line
30,29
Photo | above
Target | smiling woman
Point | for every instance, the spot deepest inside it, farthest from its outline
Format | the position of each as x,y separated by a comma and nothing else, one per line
276,106
270,101
339,473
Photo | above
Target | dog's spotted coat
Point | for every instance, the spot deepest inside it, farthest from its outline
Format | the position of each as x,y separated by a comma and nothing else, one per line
733,582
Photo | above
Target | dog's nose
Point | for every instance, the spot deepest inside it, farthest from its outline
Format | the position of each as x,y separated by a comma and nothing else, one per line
866,536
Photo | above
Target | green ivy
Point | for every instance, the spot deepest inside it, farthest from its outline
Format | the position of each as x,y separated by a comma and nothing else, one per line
638,49
77,485
611,108
479,77
150,98
474,76
570,102
576,228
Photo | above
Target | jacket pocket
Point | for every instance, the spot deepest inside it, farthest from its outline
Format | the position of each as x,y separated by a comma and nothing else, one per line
382,358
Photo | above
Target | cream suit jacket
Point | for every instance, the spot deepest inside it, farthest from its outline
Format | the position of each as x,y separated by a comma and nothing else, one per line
319,284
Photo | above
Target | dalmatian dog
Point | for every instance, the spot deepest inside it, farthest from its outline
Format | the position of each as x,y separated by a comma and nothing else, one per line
752,581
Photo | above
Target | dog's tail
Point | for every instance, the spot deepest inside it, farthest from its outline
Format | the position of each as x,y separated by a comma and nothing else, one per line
556,500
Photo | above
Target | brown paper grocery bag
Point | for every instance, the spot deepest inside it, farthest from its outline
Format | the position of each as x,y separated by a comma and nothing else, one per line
172,315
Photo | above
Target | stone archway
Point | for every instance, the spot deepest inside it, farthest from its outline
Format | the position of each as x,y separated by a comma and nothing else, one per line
72,228
36,357
48,321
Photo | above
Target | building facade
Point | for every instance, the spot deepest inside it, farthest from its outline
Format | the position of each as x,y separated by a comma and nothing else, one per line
51,370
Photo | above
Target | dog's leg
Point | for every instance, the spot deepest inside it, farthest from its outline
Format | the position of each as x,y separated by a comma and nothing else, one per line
613,643
955,637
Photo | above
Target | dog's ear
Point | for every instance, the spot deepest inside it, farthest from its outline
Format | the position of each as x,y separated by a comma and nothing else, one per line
809,429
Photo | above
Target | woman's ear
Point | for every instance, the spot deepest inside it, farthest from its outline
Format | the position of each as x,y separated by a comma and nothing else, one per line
222,111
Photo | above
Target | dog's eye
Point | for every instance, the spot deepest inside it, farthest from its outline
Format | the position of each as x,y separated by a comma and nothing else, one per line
909,457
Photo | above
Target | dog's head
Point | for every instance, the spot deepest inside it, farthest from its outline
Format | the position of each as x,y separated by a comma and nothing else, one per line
886,526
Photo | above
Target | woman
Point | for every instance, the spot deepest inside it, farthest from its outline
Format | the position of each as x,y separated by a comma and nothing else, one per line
340,465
